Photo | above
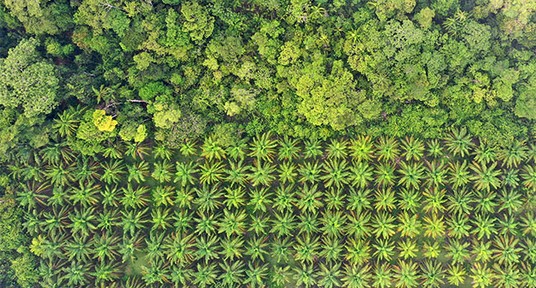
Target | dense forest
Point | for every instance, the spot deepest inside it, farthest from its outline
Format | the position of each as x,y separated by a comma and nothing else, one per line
267,143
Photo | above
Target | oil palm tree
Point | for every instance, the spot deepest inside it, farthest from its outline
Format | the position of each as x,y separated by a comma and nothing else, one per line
385,174
507,276
237,173
383,225
410,174
281,276
112,171
304,275
485,153
182,221
485,201
310,172
434,226
514,154
287,172
162,152
459,142
160,218
484,226
484,177
510,201
359,225
237,150
256,248
233,223
383,275
105,246
107,220
86,170
331,249
179,248
507,250
433,274
306,249
312,149
284,198
162,171
82,221
263,147
459,174
130,246
460,201
77,274
481,250
138,171
412,148
333,223
359,200
407,249
234,197
481,275
289,149
188,148
256,274
60,175
510,178
308,224
410,225
134,197
212,149
337,149
406,274
210,173
436,173
137,150
113,152
458,226
232,248
409,200
362,148
133,221
105,274
335,173
283,224
435,149
162,196
434,200
529,177
259,224
260,199
361,174
86,194
208,198
67,122
232,273
456,274
262,174
329,276
384,249
309,199
384,199
185,173
334,199
387,149
78,248
32,195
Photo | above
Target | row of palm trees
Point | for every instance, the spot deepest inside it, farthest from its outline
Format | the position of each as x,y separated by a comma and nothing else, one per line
281,213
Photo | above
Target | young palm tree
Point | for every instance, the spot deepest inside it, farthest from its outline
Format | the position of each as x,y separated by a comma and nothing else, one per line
310,172
529,250
76,275
434,200
458,226
459,174
331,249
304,275
185,173
188,148
456,274
382,276
206,248
67,122
434,226
436,173
385,174
384,249
510,178
333,223
481,275
107,220
281,276
335,173
232,273
129,247
409,200
289,149
162,171
457,252
484,226
113,152
514,154
156,272
258,223
406,274
237,174
283,224
460,202
212,149
485,201
138,171
58,198
86,170
359,225
384,225
507,276
162,152
361,174
508,225
106,273
178,248
260,199
232,223
387,149
432,249
507,250
256,274
511,201
55,221
410,225
329,275
162,196
262,174
481,250
384,199
485,153
211,173
137,150
284,198
134,197
82,221
256,248
287,172
182,221
234,197
160,218
334,199
337,149
313,149
362,148
412,148
359,200
208,198
232,248
32,195
407,249
60,175
435,149
78,248
411,174
433,274
308,224
263,147
237,150
306,249
309,199
112,171
133,221
459,142
484,177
